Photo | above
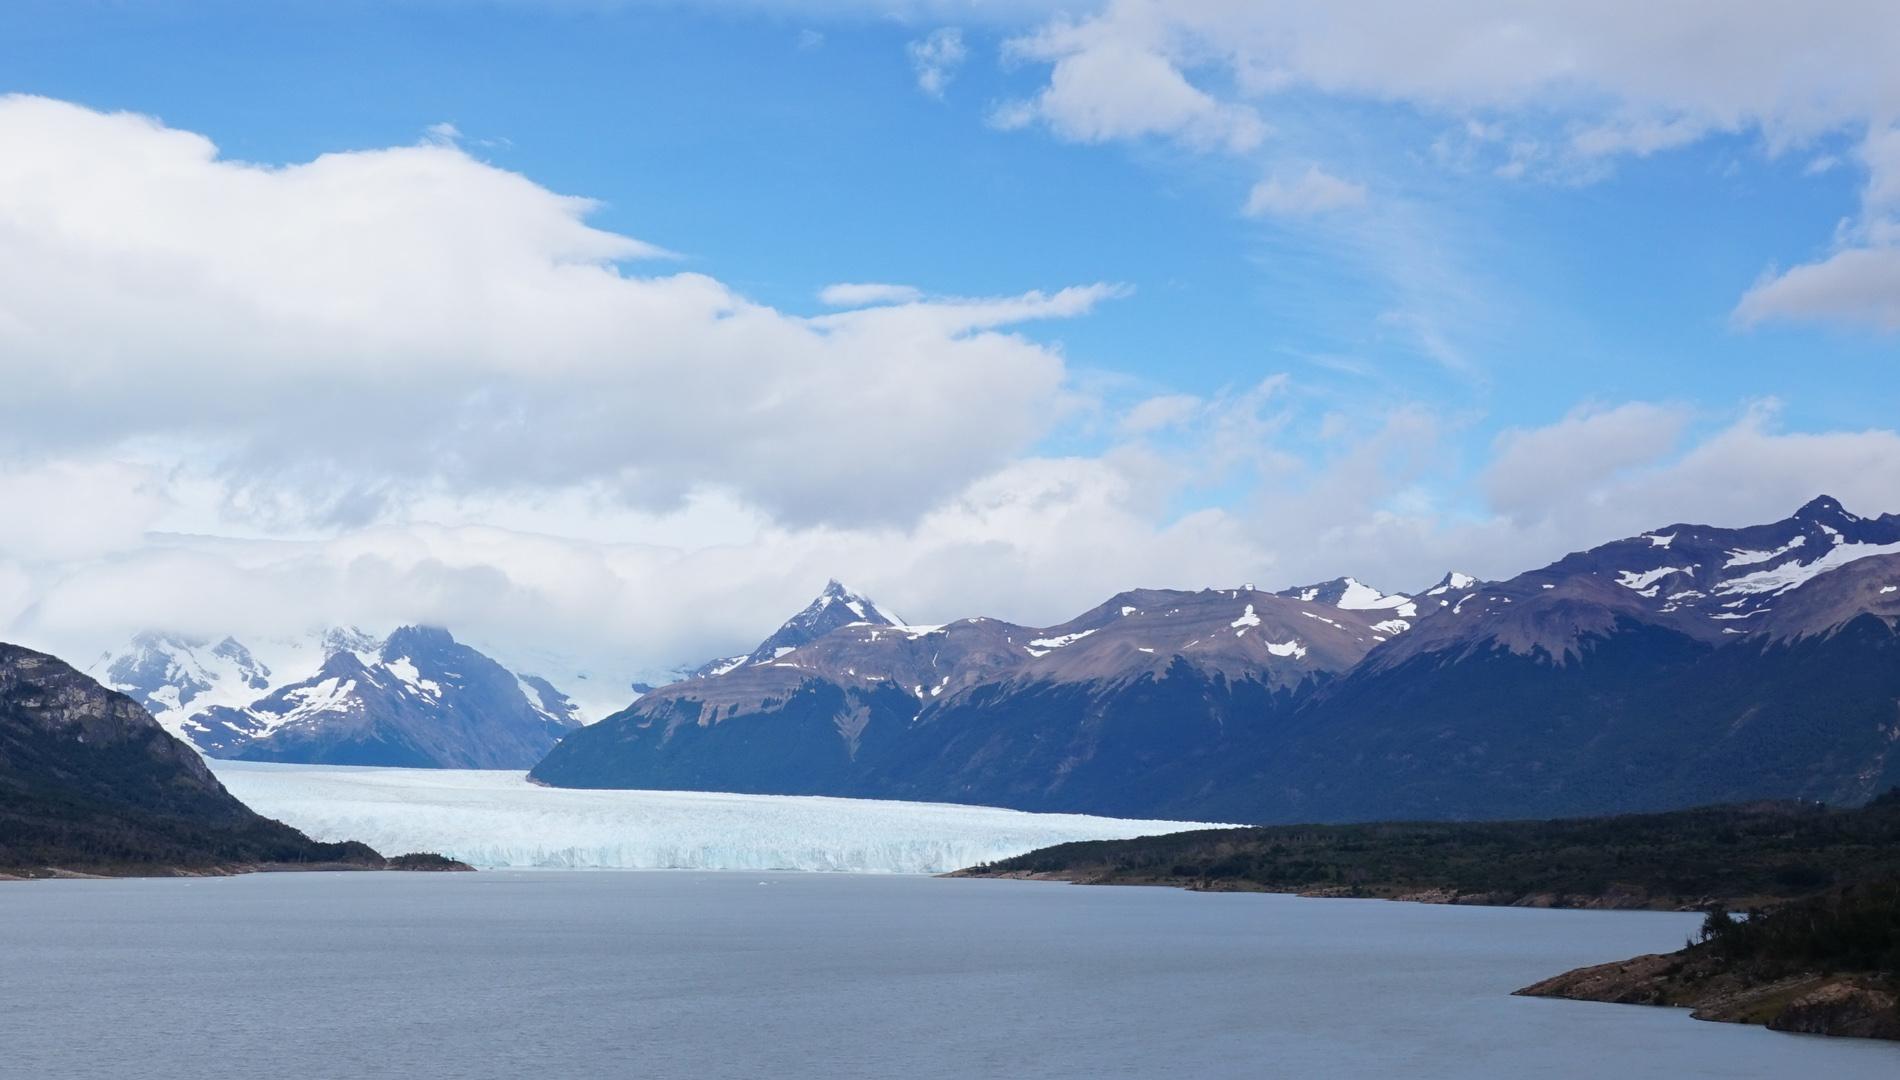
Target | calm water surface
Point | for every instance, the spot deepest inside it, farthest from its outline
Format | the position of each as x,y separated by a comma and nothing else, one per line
684,974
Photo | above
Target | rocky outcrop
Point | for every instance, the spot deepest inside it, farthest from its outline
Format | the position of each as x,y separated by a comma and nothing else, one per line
1814,1003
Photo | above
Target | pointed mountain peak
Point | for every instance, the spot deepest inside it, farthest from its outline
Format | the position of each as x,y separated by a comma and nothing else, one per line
1823,508
1452,582
408,639
835,607
1345,592
860,607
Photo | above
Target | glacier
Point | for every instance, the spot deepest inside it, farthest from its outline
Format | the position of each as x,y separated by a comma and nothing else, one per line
498,820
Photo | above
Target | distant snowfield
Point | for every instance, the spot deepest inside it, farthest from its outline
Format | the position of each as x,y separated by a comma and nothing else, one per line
499,820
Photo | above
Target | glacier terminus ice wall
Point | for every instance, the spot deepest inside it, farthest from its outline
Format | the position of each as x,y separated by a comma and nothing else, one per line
499,820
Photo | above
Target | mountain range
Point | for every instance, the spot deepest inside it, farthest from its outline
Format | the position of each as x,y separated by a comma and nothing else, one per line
1688,664
418,698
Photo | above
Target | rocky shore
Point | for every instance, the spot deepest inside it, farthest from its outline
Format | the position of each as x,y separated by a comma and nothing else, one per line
1814,1003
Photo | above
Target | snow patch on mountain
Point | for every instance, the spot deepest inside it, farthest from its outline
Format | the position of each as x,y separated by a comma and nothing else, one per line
405,669
1351,594
1643,581
1044,646
1453,582
332,695
1780,579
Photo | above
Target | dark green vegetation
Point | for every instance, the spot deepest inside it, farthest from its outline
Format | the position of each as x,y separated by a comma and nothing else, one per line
89,783
1729,855
1856,928
1827,965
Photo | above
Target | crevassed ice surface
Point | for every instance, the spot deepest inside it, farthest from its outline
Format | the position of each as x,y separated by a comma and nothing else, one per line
495,819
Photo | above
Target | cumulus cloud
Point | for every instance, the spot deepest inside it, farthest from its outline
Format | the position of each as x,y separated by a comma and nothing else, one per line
1116,79
1314,191
935,58
349,330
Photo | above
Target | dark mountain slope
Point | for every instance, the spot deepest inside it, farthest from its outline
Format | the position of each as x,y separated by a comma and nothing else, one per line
1130,702
90,782
1688,665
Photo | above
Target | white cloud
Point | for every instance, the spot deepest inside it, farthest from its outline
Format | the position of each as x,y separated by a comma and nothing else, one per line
371,324
1532,469
1314,191
849,294
1856,285
935,58
1859,283
1553,90
1643,77
1117,81
565,584
68,510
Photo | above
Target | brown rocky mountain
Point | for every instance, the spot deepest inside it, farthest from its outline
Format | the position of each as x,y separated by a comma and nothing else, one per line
1689,664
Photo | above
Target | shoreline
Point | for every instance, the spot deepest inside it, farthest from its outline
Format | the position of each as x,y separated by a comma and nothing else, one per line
1610,901
400,864
1839,1004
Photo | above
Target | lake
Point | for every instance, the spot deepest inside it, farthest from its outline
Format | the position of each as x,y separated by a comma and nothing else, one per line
702,974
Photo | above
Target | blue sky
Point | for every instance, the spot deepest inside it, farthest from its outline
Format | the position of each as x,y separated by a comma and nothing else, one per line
1444,308
783,152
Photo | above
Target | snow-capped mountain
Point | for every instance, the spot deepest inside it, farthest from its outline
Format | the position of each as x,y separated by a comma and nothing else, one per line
175,676
419,699
828,713
179,678
1452,582
1688,664
1705,582
1351,594
834,608
224,698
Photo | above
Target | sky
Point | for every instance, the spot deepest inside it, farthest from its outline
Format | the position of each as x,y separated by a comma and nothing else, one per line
604,333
